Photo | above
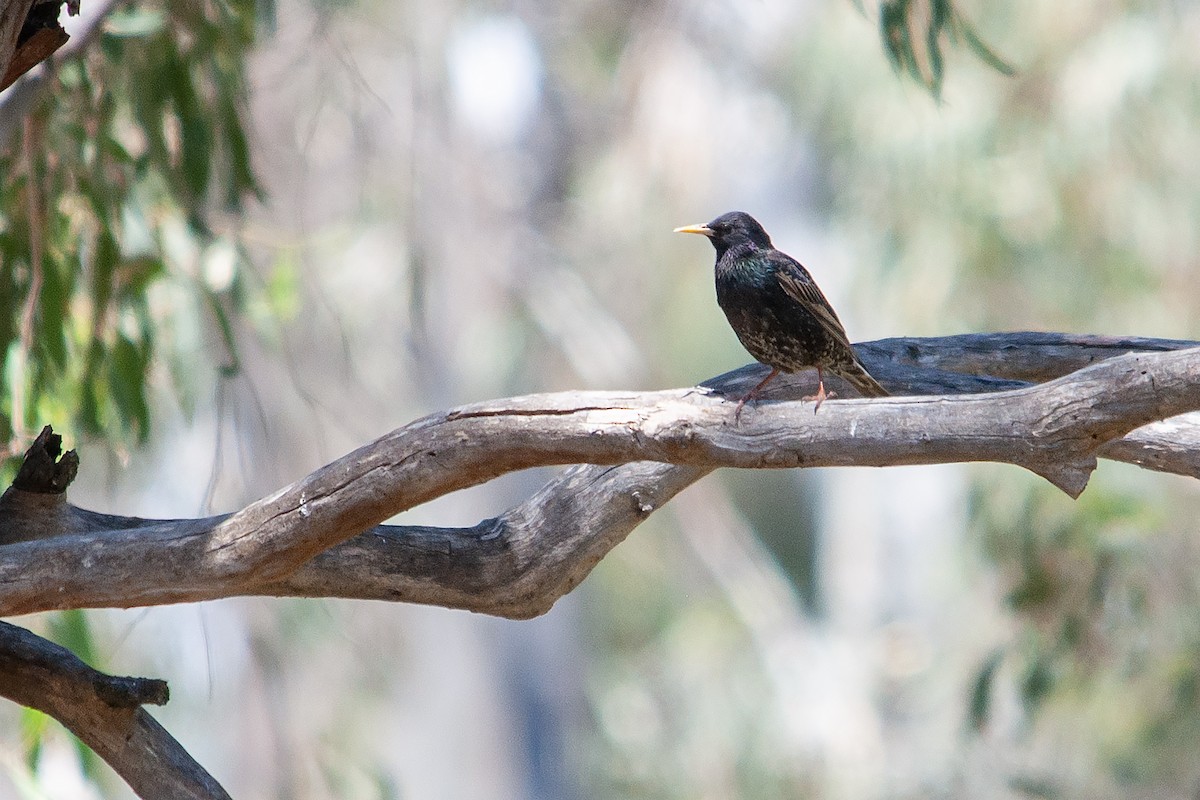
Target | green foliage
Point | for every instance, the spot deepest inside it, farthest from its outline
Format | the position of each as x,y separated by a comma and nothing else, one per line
1107,636
914,33
33,733
979,707
71,630
132,152
1073,576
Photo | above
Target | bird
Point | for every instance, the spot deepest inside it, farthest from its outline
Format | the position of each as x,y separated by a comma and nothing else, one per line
776,309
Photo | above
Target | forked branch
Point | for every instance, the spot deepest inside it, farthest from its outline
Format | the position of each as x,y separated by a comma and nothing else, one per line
308,539
961,399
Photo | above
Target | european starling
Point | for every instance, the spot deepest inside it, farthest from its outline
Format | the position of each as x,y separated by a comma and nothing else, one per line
776,309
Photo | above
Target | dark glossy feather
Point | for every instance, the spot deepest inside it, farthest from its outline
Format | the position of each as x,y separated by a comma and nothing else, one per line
799,285
776,309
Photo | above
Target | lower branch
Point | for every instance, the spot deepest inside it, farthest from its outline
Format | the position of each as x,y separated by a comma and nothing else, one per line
105,712
516,565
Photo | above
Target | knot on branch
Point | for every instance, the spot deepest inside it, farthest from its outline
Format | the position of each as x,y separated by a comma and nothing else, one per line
42,470
123,692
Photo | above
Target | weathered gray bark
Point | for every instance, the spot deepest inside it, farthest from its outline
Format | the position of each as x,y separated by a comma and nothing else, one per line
958,399
105,712
308,539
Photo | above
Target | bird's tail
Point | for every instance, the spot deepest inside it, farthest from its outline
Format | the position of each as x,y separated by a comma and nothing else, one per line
858,377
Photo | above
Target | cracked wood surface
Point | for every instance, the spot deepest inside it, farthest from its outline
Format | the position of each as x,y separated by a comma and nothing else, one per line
308,539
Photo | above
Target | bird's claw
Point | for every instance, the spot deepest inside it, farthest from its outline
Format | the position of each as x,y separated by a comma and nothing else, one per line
821,396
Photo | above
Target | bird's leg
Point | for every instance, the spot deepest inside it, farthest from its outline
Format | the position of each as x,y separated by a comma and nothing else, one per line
753,393
821,396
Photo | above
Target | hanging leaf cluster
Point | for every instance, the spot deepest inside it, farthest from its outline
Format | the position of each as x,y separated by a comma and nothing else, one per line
109,189
915,33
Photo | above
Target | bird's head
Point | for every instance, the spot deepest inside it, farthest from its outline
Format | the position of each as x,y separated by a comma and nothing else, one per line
737,228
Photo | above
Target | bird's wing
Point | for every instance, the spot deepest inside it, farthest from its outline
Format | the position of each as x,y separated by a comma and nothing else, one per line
799,285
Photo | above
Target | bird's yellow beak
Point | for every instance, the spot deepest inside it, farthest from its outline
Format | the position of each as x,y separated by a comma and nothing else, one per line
701,229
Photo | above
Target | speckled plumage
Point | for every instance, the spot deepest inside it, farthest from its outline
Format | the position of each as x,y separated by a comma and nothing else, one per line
776,309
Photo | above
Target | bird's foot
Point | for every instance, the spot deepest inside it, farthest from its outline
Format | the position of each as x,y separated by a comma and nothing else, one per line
737,412
821,396
752,394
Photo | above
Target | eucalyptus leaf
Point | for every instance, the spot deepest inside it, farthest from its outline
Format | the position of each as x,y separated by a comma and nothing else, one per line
135,22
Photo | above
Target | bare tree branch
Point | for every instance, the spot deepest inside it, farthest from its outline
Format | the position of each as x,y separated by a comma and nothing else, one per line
516,565
13,14
105,712
29,34
519,563
17,100
1032,356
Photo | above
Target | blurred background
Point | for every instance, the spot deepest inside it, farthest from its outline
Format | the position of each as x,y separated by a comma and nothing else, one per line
365,212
